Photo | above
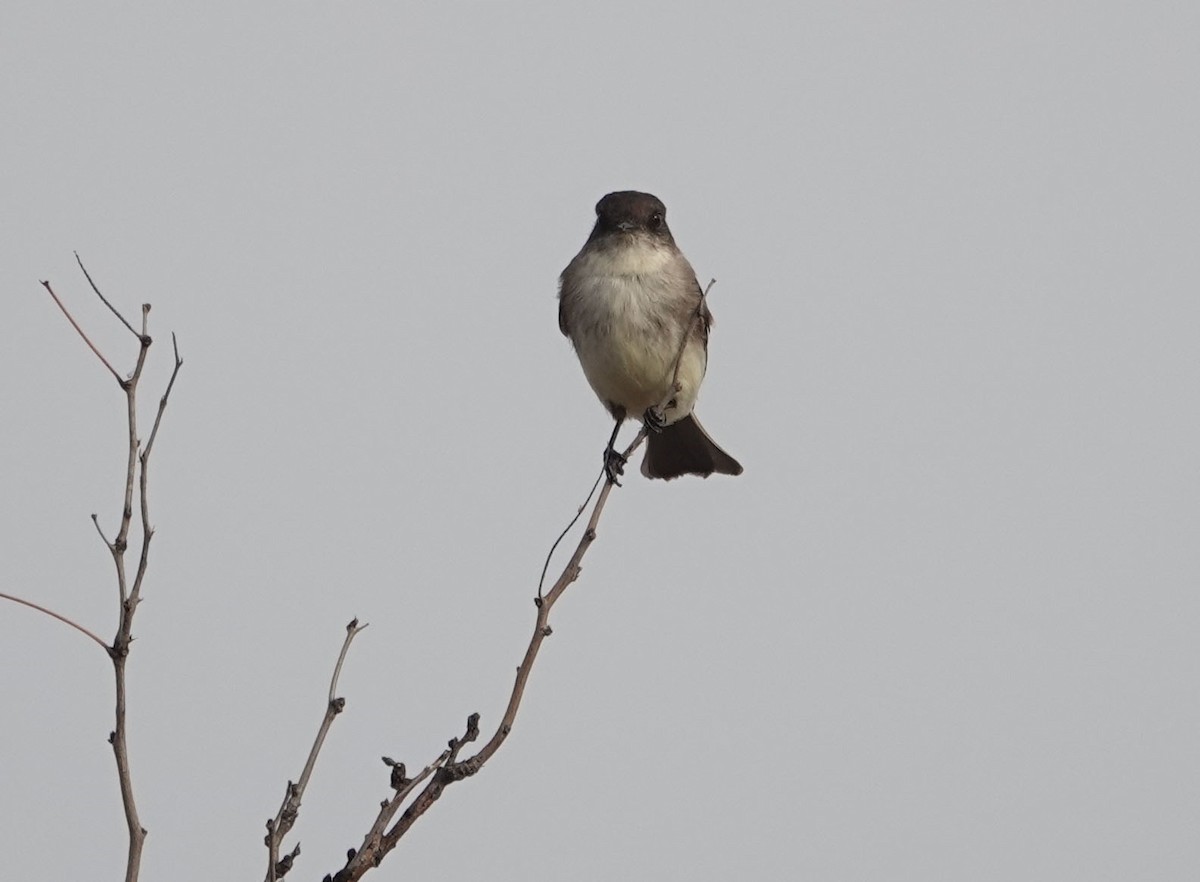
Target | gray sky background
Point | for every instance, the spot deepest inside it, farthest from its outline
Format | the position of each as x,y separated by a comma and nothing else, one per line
944,627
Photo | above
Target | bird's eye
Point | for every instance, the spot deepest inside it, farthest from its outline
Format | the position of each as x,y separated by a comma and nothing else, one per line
656,220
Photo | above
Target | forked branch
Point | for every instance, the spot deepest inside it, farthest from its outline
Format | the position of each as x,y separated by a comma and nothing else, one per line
136,476
289,809
447,769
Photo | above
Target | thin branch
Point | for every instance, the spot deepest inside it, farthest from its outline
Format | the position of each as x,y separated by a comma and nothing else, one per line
75,325
687,332
162,402
369,855
351,629
542,627
567,529
143,478
100,530
669,402
118,651
129,602
53,614
104,299
380,840
121,542
120,745
289,809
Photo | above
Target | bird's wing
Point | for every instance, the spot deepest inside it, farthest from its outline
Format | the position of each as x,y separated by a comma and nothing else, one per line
562,315
565,292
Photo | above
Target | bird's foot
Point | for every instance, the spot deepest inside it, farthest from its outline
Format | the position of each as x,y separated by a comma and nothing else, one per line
614,465
654,419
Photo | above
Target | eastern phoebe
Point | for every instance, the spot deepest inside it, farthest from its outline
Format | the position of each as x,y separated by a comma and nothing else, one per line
632,307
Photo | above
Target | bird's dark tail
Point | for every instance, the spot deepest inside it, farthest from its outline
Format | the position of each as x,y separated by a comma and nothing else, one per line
684,448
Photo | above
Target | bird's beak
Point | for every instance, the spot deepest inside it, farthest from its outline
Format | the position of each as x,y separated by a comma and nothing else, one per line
625,226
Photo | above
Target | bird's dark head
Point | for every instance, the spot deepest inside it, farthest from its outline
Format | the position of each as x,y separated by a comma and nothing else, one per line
632,213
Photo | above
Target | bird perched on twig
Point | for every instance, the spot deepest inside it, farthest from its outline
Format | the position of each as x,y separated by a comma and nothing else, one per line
632,308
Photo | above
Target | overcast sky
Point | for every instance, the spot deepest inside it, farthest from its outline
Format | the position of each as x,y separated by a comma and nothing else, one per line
943,627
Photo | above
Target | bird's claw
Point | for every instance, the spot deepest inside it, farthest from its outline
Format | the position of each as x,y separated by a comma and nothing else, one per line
654,419
614,465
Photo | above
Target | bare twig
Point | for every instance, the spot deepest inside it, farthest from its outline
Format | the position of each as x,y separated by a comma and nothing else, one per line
129,597
542,625
567,529
289,809
687,332
144,473
55,615
360,860
668,403
448,768
100,530
104,299
129,601
75,325
162,402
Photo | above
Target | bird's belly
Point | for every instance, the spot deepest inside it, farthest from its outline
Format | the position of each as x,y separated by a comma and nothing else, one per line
632,368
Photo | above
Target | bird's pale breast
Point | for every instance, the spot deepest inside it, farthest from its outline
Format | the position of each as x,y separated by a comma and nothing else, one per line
627,327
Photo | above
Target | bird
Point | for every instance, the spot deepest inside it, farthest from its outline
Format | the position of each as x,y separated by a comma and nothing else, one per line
635,314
